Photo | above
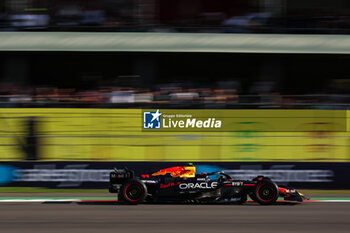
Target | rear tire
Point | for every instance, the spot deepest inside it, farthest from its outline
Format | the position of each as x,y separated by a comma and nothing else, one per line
265,192
133,192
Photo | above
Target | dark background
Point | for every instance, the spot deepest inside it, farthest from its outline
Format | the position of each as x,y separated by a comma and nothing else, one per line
290,73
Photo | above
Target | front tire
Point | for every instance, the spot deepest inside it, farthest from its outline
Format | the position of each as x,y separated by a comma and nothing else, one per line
133,192
265,192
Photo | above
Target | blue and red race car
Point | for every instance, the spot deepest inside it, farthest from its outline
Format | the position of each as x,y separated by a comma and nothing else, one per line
182,184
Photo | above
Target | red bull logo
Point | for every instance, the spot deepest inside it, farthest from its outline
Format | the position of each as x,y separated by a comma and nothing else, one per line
178,171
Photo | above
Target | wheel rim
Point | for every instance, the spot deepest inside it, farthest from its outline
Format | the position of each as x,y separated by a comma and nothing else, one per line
266,192
134,192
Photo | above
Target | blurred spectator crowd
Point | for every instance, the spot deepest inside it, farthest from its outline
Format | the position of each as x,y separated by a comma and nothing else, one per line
164,16
170,96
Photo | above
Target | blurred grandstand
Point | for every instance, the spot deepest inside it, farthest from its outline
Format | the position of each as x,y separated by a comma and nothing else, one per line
225,16
237,61
174,80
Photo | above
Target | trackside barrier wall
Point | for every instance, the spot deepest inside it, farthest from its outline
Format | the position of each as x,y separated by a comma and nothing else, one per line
308,175
117,135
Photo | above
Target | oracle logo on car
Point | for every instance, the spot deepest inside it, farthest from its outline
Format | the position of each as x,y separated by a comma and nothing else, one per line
198,185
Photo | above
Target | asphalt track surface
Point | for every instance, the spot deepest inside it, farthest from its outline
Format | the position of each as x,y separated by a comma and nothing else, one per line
110,217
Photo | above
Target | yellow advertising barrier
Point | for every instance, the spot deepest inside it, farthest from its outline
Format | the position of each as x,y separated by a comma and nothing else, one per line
117,135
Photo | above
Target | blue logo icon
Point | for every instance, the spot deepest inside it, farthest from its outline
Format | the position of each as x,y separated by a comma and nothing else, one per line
151,120
7,174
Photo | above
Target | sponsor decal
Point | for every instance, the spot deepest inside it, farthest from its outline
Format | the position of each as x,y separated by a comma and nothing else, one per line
173,171
170,120
255,122
152,120
237,183
149,181
120,175
198,185
192,123
163,186
178,171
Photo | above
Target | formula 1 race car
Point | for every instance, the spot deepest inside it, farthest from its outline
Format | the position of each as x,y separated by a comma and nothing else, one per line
182,184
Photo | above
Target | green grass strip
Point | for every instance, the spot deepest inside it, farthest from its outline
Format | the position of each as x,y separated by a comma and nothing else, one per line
47,190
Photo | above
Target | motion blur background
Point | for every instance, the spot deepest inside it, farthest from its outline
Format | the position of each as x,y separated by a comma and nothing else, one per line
75,74
238,16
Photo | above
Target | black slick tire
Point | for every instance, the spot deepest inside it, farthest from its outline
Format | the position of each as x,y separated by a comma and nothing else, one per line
133,192
265,192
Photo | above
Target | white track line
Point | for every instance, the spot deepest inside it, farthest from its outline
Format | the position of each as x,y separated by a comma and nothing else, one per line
39,200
